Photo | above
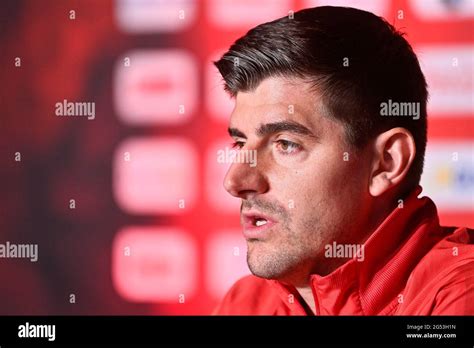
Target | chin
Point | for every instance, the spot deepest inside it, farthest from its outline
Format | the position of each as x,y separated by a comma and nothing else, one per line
268,264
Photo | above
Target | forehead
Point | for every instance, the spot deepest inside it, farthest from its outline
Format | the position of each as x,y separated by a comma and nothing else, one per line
278,98
276,90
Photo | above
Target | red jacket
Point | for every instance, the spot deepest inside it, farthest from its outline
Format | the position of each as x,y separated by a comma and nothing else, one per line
412,266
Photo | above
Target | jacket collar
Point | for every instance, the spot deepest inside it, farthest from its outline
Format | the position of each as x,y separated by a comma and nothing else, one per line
375,284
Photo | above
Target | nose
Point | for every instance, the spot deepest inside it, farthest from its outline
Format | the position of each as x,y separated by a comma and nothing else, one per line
243,181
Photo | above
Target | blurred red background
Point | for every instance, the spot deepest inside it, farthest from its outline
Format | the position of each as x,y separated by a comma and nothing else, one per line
150,229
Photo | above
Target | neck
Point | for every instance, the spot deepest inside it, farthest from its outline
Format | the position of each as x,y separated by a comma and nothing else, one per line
301,278
308,297
304,287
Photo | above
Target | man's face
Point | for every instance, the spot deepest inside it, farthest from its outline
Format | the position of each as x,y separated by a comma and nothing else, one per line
308,189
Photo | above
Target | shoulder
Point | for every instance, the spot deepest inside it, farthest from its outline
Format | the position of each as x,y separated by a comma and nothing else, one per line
445,273
451,256
250,295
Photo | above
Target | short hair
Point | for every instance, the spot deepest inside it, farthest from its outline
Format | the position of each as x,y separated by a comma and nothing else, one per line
355,58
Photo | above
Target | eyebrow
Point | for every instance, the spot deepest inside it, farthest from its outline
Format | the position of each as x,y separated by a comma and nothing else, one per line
275,127
234,132
283,126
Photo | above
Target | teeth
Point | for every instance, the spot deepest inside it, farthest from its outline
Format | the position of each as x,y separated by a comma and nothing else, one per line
260,222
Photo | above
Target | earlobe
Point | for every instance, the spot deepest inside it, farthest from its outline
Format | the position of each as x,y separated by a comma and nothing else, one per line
379,184
394,151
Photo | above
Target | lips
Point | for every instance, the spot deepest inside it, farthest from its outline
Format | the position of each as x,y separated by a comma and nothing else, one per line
256,225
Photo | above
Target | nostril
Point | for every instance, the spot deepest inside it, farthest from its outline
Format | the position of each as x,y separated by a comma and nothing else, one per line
241,181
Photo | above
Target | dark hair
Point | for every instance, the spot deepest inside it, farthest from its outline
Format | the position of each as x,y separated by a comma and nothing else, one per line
357,60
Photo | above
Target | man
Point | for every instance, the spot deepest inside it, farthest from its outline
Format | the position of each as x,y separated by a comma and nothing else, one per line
333,101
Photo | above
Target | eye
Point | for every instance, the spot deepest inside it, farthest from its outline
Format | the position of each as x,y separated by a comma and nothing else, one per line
287,147
237,144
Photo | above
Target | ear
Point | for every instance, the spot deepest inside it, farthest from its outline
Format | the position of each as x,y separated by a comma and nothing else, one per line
394,153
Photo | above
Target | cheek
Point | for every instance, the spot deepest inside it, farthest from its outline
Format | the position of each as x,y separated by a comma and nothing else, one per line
326,184
328,189
339,171
290,188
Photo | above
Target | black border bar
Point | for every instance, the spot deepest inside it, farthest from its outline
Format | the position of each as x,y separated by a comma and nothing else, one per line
140,330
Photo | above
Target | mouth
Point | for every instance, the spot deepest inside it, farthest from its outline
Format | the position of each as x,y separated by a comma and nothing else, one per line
256,225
